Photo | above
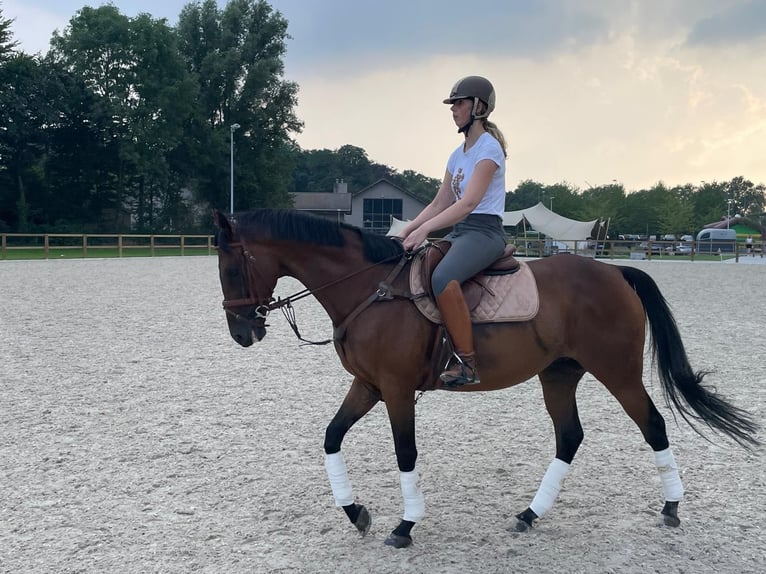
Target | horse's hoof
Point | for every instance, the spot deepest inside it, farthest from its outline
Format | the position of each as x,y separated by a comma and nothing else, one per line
398,541
521,526
670,514
525,520
363,521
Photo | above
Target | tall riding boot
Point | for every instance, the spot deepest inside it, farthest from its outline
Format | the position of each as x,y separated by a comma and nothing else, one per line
457,321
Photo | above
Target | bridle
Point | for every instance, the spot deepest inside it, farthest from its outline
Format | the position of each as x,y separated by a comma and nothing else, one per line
262,306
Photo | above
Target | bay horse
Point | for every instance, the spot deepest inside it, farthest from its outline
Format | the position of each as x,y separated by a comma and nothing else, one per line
393,351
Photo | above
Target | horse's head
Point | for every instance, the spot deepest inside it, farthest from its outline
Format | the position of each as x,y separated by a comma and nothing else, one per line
247,282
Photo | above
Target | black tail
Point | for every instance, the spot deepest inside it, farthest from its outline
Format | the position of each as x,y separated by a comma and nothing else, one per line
681,385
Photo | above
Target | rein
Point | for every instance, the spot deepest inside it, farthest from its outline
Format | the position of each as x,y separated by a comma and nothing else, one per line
262,310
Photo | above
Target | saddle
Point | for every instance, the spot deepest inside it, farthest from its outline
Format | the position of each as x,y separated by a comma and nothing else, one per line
503,292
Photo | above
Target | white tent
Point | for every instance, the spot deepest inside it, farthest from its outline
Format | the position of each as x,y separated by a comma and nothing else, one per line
543,220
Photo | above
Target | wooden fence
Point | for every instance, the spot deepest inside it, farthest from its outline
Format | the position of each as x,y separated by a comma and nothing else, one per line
47,245
90,245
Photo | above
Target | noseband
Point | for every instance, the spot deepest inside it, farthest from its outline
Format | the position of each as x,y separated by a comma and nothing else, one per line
262,306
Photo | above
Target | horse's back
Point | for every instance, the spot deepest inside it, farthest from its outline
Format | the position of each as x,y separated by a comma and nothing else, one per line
589,308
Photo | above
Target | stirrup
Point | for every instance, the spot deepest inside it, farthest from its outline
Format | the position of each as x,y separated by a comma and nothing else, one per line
467,375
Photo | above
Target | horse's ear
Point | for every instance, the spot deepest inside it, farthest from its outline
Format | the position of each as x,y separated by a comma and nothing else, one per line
222,223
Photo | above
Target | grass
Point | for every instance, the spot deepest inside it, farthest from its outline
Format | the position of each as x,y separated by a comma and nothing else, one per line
34,253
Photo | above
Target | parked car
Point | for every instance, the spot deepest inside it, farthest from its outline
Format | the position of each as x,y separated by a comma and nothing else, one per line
656,247
682,249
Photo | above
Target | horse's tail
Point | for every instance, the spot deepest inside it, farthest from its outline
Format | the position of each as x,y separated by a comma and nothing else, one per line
682,386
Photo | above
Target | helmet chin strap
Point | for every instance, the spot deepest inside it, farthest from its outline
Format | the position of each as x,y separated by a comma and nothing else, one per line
466,127
474,116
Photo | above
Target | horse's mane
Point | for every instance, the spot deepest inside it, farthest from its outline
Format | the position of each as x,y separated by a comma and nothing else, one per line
294,225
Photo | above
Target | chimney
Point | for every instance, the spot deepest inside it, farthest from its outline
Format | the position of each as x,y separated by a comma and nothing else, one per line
340,186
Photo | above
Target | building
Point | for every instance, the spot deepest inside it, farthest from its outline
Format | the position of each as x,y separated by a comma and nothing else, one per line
370,208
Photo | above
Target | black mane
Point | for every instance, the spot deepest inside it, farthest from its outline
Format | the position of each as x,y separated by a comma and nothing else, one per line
294,225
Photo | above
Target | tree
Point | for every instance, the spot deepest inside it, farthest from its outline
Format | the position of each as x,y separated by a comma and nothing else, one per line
421,186
22,118
133,69
7,44
236,54
746,197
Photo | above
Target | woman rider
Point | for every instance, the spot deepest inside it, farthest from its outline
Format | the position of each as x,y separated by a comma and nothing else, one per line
471,198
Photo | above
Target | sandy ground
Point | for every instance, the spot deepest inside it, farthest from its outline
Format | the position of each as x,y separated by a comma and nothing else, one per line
136,436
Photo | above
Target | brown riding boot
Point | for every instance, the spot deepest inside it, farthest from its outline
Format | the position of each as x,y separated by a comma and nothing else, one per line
457,321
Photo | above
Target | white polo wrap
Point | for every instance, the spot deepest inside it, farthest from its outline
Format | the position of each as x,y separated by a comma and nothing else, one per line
335,465
668,469
549,487
414,501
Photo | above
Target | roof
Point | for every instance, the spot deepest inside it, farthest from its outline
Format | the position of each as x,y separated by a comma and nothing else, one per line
310,201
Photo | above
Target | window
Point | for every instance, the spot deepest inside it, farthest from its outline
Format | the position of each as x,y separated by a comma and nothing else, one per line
378,213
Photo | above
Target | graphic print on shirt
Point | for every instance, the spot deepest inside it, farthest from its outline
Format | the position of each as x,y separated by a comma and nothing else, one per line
457,179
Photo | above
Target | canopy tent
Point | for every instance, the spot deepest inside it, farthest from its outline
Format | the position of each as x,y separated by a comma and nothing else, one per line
545,221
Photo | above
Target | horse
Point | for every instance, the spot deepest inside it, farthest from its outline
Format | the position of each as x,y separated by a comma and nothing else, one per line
393,352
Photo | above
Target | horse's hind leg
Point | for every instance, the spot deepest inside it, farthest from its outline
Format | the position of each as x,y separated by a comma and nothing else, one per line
639,407
358,402
559,382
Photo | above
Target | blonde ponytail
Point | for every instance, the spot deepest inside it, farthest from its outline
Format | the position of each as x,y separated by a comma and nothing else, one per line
495,132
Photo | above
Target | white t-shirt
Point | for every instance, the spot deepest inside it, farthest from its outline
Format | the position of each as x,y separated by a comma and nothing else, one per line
461,165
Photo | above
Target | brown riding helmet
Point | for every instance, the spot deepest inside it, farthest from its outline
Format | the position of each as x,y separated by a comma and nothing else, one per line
474,87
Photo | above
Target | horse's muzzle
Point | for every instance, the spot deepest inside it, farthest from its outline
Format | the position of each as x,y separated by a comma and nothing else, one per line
247,331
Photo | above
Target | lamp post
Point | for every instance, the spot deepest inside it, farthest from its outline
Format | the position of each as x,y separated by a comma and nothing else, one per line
728,212
234,127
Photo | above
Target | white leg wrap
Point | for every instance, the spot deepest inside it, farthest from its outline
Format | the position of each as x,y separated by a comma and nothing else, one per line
335,465
414,501
549,487
668,469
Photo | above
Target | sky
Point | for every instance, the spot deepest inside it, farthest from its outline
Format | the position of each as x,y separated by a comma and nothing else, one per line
589,92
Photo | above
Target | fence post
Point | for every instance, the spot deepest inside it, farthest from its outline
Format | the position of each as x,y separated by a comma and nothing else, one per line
84,245
45,245
182,245
151,245
2,248
119,245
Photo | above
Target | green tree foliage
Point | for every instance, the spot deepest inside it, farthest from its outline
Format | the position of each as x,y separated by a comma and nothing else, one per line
7,43
29,112
318,170
143,99
236,55
654,211
126,121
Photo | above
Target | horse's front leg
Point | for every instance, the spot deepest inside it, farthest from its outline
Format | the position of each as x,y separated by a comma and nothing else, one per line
401,413
358,402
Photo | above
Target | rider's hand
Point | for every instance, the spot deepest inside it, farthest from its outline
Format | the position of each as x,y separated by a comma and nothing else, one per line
415,240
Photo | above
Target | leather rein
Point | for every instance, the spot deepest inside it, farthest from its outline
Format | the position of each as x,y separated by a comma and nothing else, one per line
262,306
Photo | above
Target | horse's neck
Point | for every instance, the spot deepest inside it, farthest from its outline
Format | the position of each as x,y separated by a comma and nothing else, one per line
337,279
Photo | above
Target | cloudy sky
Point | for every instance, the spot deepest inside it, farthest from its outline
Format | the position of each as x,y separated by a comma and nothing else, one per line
588,91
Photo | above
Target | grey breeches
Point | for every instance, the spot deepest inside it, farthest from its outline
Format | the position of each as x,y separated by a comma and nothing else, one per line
476,242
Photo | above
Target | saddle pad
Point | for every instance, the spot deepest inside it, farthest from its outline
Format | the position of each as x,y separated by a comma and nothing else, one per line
504,298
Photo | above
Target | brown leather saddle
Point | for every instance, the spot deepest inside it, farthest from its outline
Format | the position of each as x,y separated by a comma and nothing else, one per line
473,289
